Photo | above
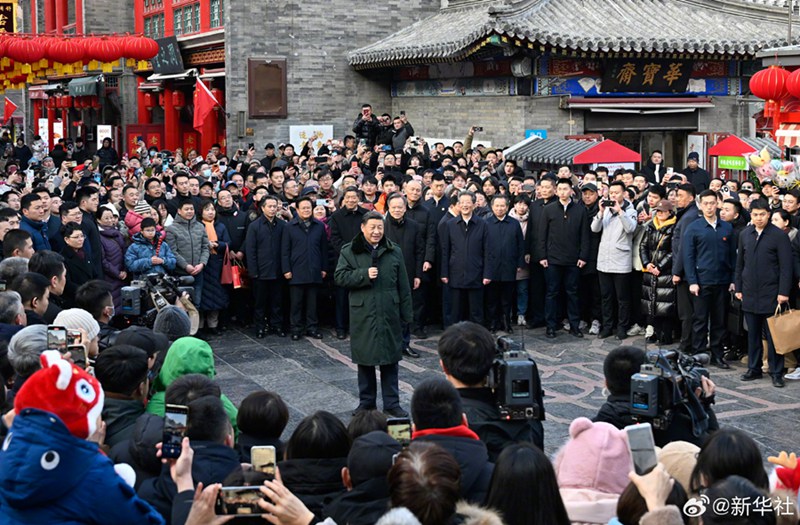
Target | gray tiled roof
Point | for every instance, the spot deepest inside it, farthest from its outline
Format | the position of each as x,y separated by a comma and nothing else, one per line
548,151
683,26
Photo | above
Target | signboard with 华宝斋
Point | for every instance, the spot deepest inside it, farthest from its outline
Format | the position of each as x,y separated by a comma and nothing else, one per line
731,163
8,18
660,75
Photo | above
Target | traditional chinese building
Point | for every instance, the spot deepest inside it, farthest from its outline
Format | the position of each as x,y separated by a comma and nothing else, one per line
68,104
649,74
191,36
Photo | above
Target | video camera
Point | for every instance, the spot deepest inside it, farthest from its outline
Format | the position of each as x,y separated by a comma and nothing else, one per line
666,383
143,298
515,382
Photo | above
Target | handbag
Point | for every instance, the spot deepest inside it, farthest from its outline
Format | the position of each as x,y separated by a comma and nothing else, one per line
784,328
240,277
735,321
227,268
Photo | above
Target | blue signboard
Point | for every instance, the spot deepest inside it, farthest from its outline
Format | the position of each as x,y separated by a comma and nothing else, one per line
541,133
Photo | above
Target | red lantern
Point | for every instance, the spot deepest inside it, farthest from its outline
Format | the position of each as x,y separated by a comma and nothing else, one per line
178,99
66,102
64,51
793,83
77,103
104,49
25,50
139,47
149,101
220,96
770,84
51,103
161,99
95,101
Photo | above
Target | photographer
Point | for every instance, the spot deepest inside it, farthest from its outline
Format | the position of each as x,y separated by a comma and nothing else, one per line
619,365
466,353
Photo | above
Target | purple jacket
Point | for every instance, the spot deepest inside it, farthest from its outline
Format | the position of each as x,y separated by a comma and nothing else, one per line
113,261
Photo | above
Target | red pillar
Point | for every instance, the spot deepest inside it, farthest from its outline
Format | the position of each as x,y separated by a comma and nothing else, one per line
79,17
138,15
51,118
65,120
49,15
145,117
205,15
208,133
33,17
169,20
61,16
37,113
171,127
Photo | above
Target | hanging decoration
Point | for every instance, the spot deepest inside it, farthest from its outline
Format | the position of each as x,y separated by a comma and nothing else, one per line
25,58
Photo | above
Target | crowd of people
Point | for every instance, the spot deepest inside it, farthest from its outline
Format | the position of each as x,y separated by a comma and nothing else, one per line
481,246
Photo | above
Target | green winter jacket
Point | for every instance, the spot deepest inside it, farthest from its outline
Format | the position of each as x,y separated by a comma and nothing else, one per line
187,355
379,308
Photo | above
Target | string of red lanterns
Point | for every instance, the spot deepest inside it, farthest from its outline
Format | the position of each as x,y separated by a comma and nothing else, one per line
25,57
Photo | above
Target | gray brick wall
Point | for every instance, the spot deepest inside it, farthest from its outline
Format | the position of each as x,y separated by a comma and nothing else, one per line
107,16
504,119
315,40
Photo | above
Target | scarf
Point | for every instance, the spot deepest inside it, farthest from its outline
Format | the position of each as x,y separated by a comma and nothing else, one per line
459,431
669,222
212,234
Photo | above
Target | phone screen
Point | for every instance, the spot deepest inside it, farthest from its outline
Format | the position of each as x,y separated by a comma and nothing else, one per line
238,501
400,429
354,164
263,459
57,338
642,447
74,336
175,419
79,355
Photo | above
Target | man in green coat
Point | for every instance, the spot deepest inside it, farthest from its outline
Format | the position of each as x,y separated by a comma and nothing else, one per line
372,268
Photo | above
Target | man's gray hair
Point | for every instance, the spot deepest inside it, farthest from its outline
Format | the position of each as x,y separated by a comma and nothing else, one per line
12,268
10,306
25,348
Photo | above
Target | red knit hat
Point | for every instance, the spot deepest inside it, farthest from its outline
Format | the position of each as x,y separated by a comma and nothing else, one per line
66,391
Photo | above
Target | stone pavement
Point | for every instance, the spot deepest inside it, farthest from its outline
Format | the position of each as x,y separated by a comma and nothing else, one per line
314,375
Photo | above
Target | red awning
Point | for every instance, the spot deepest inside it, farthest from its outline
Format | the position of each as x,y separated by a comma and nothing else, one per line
788,136
731,146
606,152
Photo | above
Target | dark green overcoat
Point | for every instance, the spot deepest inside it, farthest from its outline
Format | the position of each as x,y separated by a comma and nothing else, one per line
380,308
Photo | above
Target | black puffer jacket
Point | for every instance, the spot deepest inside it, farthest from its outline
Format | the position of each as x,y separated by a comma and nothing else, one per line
658,293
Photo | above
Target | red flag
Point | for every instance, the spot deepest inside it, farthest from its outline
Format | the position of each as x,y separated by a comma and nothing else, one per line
204,103
9,110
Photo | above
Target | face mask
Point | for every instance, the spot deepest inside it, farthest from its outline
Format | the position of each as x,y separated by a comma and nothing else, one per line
206,173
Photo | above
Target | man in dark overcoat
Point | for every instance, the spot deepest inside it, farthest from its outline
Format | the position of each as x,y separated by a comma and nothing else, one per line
373,269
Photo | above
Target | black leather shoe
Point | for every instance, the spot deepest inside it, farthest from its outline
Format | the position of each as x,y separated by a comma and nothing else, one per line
341,334
653,339
410,352
777,381
604,334
295,337
720,363
576,333
551,334
315,334
261,333
622,335
279,332
396,412
752,375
